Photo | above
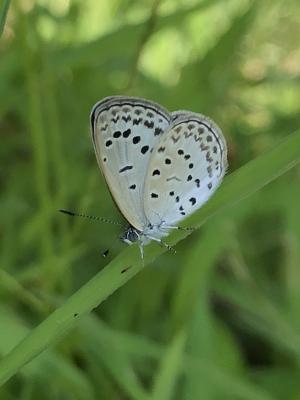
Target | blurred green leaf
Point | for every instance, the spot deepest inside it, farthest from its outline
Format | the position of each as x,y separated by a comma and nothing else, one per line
3,14
48,367
169,369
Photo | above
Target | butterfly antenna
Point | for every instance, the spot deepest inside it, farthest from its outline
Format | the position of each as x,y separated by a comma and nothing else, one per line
92,217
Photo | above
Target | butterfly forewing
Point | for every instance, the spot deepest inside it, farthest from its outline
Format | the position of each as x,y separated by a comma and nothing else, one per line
187,165
124,131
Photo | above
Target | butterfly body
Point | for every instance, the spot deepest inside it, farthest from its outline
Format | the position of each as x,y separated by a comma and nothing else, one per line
159,166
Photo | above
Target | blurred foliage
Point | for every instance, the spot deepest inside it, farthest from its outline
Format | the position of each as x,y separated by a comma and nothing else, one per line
220,320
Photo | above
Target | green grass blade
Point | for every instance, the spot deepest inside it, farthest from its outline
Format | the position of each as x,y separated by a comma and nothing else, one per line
237,186
194,280
235,385
103,350
50,366
170,368
3,14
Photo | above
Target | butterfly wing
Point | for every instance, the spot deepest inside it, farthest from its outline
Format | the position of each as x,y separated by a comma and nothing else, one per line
124,132
186,167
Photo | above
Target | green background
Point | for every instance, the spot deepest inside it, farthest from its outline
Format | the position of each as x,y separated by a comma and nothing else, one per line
221,318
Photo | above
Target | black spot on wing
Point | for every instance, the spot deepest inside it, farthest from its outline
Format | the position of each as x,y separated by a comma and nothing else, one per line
126,133
126,118
104,127
144,149
208,157
156,172
209,171
175,139
126,168
137,121
136,139
149,124
117,134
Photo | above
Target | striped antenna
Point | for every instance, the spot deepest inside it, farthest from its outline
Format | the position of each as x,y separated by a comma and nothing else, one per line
92,217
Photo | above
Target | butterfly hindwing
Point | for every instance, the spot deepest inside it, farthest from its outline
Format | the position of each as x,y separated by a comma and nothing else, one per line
124,131
187,165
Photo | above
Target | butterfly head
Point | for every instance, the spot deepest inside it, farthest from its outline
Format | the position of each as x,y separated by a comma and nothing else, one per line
131,235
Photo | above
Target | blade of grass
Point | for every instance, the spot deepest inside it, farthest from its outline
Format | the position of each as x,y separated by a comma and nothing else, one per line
103,347
3,14
234,385
193,301
39,150
268,319
50,366
170,369
99,349
193,280
237,186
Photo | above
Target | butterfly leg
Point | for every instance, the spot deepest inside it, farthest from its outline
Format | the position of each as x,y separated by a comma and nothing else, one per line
141,247
180,228
162,243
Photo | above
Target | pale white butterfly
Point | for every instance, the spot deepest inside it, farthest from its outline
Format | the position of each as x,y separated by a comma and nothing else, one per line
159,166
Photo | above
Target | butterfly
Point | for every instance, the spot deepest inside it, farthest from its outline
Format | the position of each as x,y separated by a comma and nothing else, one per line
159,166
